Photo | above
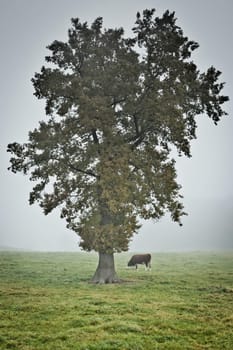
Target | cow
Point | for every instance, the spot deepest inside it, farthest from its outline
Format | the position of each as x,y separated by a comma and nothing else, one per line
143,259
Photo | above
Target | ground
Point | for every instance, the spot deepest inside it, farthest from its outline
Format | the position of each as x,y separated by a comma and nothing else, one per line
47,302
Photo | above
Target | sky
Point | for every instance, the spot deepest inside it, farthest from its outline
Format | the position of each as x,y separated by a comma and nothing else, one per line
26,28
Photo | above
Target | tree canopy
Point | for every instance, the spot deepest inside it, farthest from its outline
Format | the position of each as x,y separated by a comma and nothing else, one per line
116,108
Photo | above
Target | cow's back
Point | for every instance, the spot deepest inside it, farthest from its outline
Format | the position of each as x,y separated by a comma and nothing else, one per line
138,259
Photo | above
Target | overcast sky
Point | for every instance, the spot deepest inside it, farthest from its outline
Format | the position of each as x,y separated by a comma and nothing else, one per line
26,28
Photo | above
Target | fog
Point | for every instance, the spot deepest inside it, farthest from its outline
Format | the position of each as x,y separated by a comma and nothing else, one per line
26,28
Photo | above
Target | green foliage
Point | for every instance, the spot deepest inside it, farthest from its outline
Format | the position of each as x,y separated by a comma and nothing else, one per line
116,107
185,302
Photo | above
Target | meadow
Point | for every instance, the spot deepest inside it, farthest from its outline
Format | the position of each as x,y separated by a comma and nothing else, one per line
47,302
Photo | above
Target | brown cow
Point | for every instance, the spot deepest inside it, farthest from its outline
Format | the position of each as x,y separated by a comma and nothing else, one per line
143,259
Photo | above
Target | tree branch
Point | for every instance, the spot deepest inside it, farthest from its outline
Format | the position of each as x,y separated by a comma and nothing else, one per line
136,125
115,101
95,137
138,140
90,173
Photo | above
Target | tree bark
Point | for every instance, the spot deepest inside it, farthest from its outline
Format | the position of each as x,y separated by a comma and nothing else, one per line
105,272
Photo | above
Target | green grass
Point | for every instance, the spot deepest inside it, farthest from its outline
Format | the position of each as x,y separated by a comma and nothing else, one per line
185,302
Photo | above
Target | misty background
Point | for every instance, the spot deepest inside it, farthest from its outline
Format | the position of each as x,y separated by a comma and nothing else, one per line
26,28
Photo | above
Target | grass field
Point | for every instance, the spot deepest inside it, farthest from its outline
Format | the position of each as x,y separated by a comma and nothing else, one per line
185,302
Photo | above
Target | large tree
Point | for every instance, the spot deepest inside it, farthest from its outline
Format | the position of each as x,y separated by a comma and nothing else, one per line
116,108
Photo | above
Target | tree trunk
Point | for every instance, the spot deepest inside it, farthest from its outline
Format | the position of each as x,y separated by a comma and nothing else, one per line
105,272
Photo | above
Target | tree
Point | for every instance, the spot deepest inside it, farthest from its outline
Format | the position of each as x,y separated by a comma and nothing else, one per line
116,109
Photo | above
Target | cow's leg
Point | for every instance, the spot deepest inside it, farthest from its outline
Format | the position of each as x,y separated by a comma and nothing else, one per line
147,266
